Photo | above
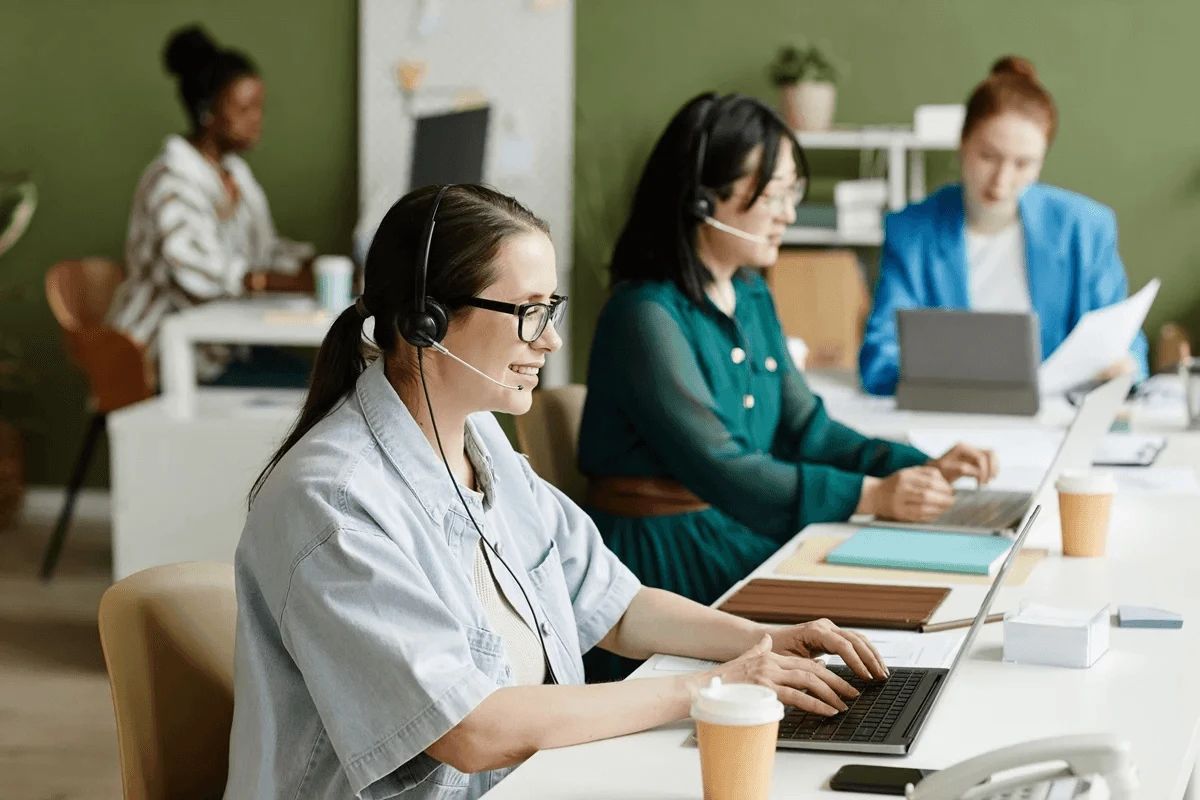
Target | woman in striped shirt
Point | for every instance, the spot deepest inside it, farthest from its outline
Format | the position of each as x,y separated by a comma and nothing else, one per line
200,228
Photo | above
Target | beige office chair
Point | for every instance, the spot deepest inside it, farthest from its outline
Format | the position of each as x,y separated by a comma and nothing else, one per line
167,634
549,436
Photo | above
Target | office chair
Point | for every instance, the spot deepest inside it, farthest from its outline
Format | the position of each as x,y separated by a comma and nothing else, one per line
168,634
79,294
549,436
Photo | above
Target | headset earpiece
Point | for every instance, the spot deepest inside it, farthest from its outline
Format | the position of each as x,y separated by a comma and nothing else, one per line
424,324
424,328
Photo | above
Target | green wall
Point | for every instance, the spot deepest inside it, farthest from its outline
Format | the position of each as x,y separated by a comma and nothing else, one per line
85,105
1123,74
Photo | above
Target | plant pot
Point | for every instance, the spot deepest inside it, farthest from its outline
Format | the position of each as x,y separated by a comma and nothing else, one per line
809,105
12,473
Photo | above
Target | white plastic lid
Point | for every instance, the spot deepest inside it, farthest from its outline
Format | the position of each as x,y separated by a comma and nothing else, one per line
1086,482
736,704
333,264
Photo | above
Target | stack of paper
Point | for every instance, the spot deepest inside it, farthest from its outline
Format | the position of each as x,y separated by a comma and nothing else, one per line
1056,637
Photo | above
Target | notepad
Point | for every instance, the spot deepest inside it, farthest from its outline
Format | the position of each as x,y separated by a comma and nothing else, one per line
972,554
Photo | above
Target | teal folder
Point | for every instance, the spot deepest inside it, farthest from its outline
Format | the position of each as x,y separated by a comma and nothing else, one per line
971,554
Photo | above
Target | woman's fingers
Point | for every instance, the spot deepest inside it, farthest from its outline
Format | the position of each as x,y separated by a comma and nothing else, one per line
806,702
838,684
869,655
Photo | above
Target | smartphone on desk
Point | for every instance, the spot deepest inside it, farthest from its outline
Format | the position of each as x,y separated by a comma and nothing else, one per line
875,779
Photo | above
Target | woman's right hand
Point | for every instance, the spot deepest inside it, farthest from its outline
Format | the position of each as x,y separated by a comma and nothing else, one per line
801,682
915,494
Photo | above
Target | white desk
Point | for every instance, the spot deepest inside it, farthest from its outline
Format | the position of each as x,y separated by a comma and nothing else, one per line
179,484
1144,689
284,320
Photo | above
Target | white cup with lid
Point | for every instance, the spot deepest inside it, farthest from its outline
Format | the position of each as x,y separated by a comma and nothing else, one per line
737,725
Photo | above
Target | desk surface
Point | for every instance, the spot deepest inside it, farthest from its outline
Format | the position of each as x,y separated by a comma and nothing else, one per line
1143,689
271,319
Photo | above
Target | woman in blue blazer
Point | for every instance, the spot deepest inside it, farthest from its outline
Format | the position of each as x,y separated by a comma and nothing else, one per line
999,241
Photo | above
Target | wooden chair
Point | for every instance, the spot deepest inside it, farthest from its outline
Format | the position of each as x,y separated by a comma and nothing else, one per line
549,436
168,638
79,293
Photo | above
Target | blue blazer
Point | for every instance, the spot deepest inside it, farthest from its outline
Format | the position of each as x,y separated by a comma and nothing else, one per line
1070,253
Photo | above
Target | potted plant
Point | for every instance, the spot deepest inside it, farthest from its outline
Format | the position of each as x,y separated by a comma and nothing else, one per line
807,81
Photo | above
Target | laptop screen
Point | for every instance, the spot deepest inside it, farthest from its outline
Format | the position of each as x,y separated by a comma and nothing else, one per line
981,617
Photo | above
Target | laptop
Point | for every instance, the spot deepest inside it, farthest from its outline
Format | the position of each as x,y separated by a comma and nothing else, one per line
968,361
887,716
997,511
449,148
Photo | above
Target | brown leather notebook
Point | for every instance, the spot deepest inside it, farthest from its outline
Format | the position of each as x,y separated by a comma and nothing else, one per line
859,605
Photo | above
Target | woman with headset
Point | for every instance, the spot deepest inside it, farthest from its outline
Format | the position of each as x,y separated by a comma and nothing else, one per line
704,447
999,240
413,601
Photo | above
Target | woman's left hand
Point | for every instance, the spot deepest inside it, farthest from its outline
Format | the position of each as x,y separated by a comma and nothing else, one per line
812,639
967,461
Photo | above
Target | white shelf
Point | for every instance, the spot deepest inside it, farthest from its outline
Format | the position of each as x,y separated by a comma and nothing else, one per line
801,235
871,138
905,155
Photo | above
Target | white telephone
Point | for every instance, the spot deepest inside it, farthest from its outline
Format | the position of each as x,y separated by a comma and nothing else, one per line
1059,768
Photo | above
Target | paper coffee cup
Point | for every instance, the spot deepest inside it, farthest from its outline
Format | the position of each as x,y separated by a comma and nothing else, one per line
737,725
1084,503
335,282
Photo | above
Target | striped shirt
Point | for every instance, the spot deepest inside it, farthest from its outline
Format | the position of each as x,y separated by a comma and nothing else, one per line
188,244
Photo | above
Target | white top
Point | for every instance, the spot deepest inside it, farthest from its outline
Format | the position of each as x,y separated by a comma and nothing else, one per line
996,266
186,244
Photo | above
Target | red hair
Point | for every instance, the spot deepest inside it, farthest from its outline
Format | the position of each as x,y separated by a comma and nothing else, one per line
1012,86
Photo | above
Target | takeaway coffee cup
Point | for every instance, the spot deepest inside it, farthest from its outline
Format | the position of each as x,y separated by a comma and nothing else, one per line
1084,502
737,725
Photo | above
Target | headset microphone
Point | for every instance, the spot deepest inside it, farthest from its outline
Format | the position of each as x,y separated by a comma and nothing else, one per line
738,232
438,346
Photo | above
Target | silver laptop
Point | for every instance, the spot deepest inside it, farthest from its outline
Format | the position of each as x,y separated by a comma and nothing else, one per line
887,715
968,361
993,511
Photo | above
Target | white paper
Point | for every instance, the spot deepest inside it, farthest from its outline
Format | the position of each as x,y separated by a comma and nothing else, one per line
898,648
1099,340
681,664
1155,480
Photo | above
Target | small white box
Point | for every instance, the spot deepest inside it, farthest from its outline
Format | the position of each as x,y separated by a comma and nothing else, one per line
1056,637
939,123
871,193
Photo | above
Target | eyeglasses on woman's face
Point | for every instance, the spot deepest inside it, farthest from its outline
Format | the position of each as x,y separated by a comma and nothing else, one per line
532,318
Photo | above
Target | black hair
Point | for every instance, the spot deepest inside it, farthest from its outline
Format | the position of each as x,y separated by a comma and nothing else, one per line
658,241
203,69
472,222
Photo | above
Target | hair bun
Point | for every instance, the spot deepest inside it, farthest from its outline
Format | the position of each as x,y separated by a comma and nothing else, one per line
188,51
1015,65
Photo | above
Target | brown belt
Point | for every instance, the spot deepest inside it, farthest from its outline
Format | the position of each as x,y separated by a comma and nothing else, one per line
642,497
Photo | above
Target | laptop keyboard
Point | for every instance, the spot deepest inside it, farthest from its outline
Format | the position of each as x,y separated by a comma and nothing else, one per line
870,717
985,509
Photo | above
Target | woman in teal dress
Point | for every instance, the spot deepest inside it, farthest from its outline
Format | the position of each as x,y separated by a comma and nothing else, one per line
704,447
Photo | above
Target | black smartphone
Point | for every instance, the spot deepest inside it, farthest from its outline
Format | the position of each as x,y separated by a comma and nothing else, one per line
872,779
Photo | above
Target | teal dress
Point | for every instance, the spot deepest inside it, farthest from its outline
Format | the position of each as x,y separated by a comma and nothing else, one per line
685,392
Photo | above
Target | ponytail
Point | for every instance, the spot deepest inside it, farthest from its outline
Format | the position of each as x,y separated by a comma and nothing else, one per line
340,362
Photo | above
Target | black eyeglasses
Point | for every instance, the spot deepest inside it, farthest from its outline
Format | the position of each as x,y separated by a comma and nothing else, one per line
532,317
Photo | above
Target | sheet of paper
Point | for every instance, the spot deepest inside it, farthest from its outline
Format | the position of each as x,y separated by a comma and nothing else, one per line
681,664
898,648
1155,480
1099,339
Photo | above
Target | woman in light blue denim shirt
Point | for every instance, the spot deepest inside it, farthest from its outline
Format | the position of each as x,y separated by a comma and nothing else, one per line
382,650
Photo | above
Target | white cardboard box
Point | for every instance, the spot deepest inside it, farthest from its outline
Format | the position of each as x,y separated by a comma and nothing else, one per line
1056,637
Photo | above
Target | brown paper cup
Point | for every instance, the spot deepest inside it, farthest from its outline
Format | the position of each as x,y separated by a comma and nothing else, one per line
736,761
1084,503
